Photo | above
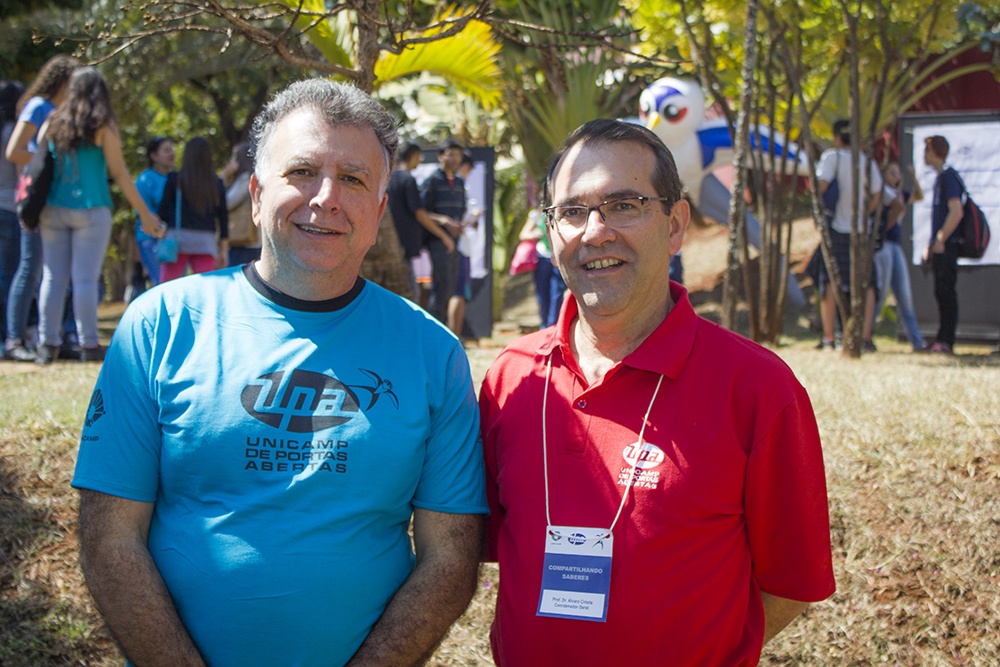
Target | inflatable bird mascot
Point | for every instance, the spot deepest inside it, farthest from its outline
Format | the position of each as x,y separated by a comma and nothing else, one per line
675,110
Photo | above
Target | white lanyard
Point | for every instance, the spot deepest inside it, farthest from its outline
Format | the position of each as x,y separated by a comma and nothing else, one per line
545,446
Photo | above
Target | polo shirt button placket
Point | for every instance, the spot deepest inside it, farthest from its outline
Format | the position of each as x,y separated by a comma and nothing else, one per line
582,404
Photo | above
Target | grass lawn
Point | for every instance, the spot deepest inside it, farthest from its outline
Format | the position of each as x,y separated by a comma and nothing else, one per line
912,448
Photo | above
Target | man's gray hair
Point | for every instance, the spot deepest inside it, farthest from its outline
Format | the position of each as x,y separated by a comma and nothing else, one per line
340,104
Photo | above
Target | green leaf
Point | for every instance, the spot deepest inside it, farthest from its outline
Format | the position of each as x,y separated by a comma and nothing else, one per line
467,60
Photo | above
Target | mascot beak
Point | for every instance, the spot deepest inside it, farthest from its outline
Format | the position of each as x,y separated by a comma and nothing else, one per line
654,120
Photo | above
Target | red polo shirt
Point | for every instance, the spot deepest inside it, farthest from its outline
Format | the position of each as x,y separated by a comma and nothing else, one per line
731,498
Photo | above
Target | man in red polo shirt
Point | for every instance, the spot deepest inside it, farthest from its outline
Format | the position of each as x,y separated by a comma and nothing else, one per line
656,482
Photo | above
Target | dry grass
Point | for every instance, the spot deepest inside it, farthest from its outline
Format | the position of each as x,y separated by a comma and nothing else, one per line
912,447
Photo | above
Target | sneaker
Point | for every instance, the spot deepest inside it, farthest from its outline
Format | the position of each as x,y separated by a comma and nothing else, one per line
19,353
869,346
46,354
92,353
826,345
939,348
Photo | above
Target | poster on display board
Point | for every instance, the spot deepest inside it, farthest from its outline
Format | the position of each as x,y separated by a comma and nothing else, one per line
974,152
478,241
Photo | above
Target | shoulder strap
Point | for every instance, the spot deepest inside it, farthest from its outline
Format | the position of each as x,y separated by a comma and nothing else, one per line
177,204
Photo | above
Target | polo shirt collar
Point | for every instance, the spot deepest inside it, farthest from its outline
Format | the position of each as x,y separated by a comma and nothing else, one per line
664,351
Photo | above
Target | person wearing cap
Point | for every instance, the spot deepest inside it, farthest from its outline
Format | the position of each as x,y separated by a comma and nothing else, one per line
655,481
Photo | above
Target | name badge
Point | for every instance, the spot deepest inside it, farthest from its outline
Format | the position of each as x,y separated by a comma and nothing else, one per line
576,574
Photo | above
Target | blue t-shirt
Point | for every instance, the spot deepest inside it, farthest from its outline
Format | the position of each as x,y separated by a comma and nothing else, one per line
36,111
948,186
285,445
150,184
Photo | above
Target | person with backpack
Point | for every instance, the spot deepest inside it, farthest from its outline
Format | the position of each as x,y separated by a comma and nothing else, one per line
942,252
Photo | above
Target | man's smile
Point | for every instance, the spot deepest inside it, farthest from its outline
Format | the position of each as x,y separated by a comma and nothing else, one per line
602,264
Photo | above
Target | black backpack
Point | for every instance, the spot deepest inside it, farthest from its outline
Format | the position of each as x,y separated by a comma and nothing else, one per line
974,230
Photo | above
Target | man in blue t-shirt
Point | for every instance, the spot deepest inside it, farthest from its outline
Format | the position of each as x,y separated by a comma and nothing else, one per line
942,253
260,437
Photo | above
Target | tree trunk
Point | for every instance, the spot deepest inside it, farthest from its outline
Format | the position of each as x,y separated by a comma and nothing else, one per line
368,47
385,264
737,205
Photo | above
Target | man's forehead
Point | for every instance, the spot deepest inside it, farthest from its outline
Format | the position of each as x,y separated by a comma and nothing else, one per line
306,122
609,166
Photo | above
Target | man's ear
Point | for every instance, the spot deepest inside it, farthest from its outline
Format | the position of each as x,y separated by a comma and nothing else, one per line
680,217
255,189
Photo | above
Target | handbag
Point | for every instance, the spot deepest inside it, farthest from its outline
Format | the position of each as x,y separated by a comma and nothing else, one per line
33,188
166,249
525,257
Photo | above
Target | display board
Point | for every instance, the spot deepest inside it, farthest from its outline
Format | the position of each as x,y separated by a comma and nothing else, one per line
974,140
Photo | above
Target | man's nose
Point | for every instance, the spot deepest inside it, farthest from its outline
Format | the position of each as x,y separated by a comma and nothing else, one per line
596,229
327,195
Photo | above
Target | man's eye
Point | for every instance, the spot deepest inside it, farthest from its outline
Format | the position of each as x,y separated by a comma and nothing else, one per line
572,212
625,206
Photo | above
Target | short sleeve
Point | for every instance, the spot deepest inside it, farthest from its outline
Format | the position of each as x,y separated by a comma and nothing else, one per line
412,193
827,169
875,177
120,444
952,186
786,510
452,479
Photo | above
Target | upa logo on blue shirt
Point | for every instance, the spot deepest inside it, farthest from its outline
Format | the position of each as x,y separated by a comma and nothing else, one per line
300,401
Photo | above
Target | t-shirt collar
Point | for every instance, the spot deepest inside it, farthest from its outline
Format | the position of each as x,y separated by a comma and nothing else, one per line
665,350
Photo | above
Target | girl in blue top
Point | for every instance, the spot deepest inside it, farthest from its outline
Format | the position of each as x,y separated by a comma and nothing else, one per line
76,222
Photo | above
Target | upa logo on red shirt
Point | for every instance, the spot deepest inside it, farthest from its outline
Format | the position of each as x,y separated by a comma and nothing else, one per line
650,455
644,477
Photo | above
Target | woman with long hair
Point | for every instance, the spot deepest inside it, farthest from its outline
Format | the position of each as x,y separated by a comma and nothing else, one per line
161,158
76,221
40,99
244,239
10,229
201,227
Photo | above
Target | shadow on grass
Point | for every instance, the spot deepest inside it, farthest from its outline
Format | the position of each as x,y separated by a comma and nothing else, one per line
40,625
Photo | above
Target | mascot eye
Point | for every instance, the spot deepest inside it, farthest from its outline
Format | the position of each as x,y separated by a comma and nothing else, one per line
672,112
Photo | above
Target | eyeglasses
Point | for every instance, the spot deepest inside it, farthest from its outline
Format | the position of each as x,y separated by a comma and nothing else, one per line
620,212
